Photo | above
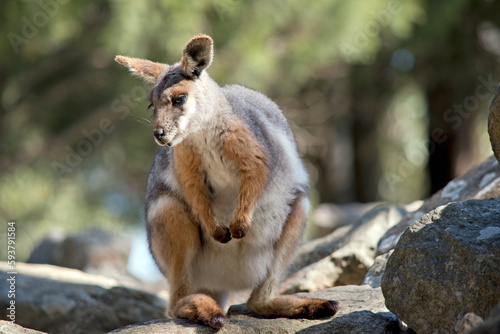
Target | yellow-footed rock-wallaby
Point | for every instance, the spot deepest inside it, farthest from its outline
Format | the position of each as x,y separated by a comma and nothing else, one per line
226,199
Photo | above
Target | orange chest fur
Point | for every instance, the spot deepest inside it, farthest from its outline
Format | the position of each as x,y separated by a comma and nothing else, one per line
227,170
205,167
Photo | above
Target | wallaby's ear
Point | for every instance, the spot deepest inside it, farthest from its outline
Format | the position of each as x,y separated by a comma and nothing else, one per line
197,56
145,69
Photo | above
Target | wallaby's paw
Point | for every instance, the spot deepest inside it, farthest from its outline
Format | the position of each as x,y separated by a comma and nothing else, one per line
202,309
222,234
239,229
320,309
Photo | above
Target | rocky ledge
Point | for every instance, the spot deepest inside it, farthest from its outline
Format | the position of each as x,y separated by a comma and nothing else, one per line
437,272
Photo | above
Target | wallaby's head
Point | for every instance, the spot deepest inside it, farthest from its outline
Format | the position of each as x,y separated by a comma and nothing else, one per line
181,94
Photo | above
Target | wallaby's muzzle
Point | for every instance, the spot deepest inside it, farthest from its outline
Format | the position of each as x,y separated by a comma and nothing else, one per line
159,134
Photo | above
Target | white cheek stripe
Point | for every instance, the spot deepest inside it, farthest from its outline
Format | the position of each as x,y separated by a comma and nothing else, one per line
181,131
182,123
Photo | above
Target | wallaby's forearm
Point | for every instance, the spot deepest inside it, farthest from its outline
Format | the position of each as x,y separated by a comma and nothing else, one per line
241,147
188,169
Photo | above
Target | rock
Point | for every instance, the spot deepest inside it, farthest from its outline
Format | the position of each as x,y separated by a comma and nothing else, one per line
413,206
469,321
320,248
45,251
374,275
344,256
494,124
367,228
327,217
482,181
94,251
363,311
446,265
320,275
6,327
91,250
490,326
62,300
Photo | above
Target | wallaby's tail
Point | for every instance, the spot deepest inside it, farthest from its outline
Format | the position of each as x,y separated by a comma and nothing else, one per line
494,124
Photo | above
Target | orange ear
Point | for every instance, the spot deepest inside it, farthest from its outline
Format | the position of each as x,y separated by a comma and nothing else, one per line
146,69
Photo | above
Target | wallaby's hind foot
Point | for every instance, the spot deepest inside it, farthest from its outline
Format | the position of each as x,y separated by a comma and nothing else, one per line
318,309
202,309
294,307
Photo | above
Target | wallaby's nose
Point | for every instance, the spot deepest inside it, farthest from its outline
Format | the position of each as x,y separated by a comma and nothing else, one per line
159,134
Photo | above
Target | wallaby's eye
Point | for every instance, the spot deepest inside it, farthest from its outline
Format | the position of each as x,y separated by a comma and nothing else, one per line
179,100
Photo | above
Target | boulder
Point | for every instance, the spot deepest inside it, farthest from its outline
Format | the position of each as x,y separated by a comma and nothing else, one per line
94,251
46,250
91,250
469,321
364,230
7,327
494,124
445,266
482,181
62,300
490,326
363,311
317,249
374,275
344,256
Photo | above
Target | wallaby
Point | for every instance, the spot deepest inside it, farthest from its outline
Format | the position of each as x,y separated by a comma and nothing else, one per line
227,196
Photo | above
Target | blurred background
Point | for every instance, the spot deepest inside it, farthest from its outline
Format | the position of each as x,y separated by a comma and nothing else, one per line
388,98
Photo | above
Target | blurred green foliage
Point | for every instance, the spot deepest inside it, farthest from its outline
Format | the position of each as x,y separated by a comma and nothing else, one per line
76,139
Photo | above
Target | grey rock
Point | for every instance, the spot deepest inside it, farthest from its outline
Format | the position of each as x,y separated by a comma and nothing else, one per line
45,251
380,218
92,249
446,265
317,249
7,327
482,181
363,311
236,325
344,256
469,320
320,275
374,275
62,300
490,326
